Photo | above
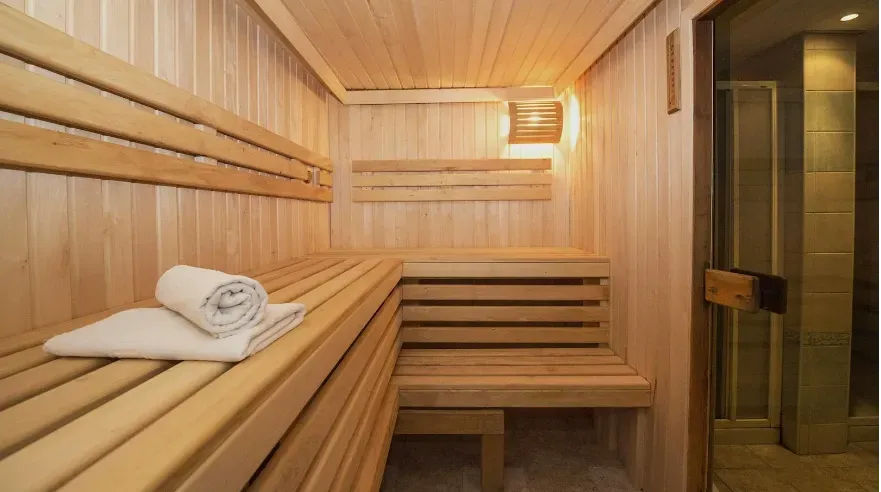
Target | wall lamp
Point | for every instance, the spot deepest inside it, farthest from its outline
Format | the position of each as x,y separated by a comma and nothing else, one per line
535,122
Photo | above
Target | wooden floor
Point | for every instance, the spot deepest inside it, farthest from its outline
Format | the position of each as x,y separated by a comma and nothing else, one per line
468,254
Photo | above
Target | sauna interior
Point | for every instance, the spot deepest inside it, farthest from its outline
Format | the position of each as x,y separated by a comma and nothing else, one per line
497,215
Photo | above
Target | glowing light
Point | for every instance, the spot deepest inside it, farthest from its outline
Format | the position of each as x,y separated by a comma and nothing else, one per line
534,118
849,17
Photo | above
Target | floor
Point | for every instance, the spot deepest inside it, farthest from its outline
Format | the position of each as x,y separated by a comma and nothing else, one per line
773,468
542,454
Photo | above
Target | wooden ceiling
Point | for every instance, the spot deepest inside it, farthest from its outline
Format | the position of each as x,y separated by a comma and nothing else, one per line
419,44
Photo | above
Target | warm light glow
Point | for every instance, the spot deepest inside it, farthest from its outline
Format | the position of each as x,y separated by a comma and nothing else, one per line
573,118
534,118
849,17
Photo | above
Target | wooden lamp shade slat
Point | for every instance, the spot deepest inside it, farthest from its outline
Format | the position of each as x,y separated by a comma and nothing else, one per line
535,122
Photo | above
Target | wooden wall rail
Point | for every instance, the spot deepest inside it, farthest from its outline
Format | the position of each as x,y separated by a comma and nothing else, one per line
34,148
34,42
455,186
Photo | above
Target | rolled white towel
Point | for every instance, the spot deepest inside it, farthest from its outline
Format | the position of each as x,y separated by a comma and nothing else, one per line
219,303
160,333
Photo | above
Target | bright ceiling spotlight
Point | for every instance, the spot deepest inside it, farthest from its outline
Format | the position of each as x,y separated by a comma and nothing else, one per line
849,17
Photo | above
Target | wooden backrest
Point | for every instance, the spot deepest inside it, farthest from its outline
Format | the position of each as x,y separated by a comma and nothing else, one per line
506,302
203,130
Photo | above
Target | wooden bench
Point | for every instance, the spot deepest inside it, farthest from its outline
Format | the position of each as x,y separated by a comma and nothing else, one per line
99,424
497,328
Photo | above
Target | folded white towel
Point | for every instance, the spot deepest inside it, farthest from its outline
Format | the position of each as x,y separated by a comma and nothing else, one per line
219,303
160,333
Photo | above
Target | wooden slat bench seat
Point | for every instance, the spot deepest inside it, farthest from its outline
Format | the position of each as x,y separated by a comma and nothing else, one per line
99,424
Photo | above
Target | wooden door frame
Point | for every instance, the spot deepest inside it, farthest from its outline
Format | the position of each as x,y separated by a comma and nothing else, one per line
697,143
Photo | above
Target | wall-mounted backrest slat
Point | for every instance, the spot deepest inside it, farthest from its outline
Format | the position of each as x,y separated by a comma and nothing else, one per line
417,165
452,194
34,42
34,95
30,147
471,179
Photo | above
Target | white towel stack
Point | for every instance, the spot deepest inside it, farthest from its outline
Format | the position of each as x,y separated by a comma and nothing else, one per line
208,315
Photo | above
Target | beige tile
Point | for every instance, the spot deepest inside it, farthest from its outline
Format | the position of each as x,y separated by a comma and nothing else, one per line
755,481
828,438
830,70
829,111
864,476
828,272
871,447
829,192
825,366
775,455
827,312
825,404
735,456
830,151
720,484
828,233
830,41
806,478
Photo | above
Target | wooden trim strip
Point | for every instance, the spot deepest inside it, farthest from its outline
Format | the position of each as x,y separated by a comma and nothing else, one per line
420,165
452,194
32,94
30,40
528,398
531,314
618,369
455,422
454,95
522,179
484,334
38,149
413,269
525,360
506,292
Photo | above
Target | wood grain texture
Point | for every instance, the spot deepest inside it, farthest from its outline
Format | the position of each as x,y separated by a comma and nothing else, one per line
455,194
76,246
458,137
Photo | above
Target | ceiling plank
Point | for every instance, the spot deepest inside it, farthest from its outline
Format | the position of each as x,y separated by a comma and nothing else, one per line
528,36
516,23
427,27
405,21
578,14
419,96
392,36
276,14
446,19
464,16
571,46
479,27
366,20
499,20
628,12
554,18
352,31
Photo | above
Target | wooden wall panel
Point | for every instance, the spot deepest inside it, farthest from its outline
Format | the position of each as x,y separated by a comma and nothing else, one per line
439,131
73,246
631,200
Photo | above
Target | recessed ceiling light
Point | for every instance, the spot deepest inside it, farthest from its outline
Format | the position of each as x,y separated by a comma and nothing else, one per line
849,17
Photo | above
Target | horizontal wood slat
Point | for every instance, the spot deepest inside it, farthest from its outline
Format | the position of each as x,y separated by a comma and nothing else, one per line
372,466
32,94
417,165
413,269
526,398
485,334
452,179
506,313
472,381
453,194
34,148
513,370
28,39
459,422
506,292
526,360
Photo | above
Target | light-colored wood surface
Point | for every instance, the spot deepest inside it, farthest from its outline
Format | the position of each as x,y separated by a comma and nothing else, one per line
418,269
458,255
528,292
26,384
500,334
77,246
290,462
734,290
34,95
420,137
472,179
277,15
393,44
34,149
469,95
32,41
484,421
424,165
456,194
506,314
372,467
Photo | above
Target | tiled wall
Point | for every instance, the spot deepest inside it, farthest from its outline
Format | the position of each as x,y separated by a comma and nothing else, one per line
818,345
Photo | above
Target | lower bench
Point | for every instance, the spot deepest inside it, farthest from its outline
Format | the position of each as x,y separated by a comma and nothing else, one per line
101,424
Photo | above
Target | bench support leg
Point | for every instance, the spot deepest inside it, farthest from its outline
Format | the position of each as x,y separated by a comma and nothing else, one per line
492,466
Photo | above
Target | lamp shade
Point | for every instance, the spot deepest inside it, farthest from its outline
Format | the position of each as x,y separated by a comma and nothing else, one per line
535,122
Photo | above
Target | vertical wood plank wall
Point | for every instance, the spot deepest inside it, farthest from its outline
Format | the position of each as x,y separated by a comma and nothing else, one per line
438,131
631,200
73,246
